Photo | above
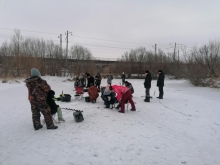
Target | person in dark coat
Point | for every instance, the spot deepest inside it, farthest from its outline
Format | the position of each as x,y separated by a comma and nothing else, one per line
77,83
160,83
90,80
98,79
123,78
54,107
129,85
147,85
37,95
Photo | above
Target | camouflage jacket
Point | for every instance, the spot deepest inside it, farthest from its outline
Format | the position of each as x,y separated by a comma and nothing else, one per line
37,89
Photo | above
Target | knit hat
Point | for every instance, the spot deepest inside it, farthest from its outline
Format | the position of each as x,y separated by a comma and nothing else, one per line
160,71
35,72
51,92
147,71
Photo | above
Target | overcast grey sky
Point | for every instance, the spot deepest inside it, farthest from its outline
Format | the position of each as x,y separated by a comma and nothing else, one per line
108,28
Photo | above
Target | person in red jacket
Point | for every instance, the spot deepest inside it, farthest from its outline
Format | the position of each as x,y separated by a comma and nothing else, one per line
93,93
123,94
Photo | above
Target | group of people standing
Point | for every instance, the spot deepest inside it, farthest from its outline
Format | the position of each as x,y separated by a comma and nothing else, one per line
41,96
147,84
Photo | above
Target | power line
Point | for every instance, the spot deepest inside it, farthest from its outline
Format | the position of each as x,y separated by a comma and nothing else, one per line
102,46
85,37
30,31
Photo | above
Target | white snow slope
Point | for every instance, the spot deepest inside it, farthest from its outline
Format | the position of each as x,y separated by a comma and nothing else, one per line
183,128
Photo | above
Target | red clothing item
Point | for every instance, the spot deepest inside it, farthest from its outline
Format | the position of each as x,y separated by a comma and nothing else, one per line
127,96
120,90
93,93
79,90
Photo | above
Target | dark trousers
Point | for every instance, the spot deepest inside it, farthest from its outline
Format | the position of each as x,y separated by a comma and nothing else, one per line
161,91
44,108
98,85
147,92
123,81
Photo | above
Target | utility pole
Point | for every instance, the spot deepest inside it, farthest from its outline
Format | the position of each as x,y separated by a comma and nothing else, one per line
155,47
174,55
66,63
60,37
67,33
178,55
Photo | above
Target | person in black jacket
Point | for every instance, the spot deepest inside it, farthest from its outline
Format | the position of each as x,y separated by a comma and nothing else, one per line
98,79
160,83
90,80
129,85
53,106
147,85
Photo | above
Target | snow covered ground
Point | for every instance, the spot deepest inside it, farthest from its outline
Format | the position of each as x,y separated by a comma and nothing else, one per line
181,129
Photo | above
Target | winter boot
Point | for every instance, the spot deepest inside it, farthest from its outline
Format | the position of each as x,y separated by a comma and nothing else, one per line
54,127
38,127
147,99
160,96
61,120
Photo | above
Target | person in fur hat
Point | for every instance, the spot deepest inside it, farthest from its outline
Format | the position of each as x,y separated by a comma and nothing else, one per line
37,95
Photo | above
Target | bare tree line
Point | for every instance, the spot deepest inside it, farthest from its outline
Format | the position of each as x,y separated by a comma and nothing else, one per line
138,60
202,64
22,54
199,65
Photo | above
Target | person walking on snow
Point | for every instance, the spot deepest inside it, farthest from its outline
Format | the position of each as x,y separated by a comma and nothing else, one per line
147,85
37,95
109,78
123,94
123,78
160,83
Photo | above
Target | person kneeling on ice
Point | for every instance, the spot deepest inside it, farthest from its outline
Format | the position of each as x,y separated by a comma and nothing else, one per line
123,94
93,93
109,98
53,106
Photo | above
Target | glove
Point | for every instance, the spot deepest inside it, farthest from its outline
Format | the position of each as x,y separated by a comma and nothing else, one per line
109,98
